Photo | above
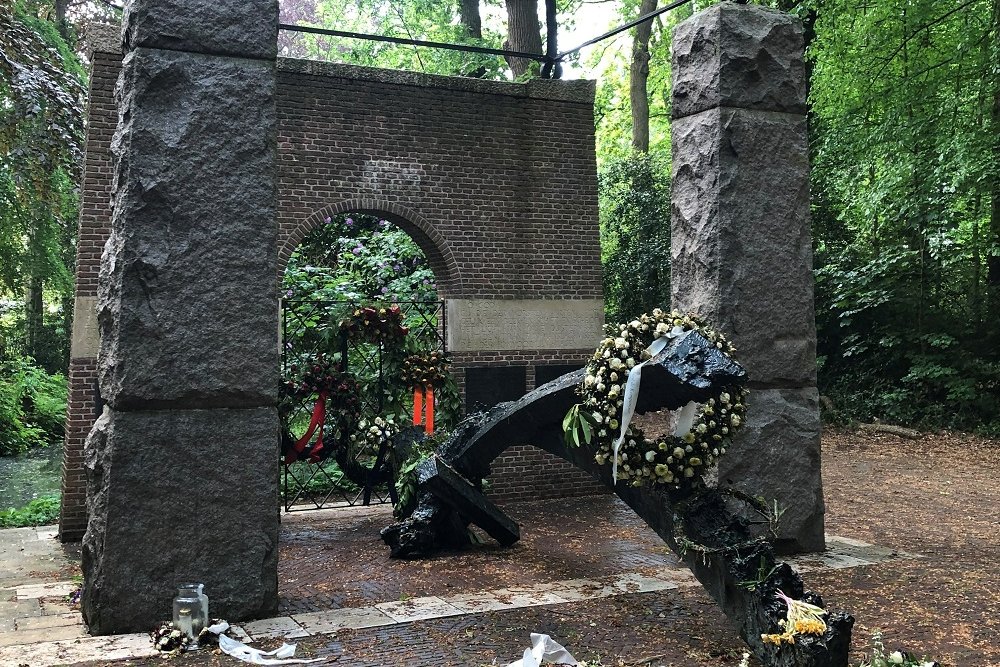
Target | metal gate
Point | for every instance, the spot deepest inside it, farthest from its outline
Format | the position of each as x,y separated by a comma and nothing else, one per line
349,470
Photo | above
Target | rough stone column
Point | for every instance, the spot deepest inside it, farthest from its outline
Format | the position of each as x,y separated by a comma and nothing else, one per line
183,465
742,254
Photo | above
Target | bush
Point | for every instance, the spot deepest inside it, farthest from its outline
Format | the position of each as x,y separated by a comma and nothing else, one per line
32,406
635,235
39,512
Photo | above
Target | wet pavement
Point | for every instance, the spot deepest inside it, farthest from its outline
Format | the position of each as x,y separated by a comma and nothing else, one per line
587,571
331,559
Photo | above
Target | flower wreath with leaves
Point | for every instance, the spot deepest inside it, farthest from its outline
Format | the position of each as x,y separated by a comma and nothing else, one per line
319,378
429,369
376,324
677,460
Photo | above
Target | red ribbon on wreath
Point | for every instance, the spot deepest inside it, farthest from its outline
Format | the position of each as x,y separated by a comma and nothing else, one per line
423,408
315,424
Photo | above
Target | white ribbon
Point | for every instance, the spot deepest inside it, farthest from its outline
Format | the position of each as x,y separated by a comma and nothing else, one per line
685,419
279,656
632,394
544,648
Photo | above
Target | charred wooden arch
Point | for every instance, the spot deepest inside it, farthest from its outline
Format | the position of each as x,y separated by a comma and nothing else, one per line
737,568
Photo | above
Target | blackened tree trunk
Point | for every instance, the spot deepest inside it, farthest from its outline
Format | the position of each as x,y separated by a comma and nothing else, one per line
638,76
523,34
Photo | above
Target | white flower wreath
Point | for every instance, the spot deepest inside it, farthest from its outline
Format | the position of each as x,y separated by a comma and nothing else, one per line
676,459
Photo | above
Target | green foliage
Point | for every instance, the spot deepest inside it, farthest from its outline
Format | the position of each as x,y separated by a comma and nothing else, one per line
905,145
39,512
406,479
41,138
635,235
579,426
427,20
359,257
905,120
32,406
300,480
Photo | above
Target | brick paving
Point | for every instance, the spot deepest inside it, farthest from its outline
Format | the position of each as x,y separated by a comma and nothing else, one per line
941,604
336,559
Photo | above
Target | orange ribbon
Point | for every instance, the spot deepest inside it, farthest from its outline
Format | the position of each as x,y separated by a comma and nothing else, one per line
423,408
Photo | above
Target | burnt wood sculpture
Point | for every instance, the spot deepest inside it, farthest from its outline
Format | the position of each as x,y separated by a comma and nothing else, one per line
705,527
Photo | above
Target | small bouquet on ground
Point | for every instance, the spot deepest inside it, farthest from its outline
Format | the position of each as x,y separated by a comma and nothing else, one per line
802,618
170,639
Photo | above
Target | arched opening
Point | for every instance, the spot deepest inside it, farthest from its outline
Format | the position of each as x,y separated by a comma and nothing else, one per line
363,356
327,224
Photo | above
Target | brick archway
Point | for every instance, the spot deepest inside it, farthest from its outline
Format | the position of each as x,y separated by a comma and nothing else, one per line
496,182
423,232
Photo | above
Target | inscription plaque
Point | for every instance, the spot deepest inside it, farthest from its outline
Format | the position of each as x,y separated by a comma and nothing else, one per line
524,324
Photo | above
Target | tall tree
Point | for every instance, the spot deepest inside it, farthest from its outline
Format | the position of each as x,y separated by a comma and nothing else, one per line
638,77
41,96
523,34
468,13
993,263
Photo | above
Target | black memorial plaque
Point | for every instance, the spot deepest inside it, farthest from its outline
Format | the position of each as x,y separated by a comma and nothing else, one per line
549,372
485,386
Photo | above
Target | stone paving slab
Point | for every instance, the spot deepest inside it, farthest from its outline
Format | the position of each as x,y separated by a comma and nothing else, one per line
473,603
49,621
274,627
54,589
326,622
29,555
79,649
417,609
42,635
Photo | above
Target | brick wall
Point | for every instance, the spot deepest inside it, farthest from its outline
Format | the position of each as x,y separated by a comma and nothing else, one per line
95,225
495,181
524,472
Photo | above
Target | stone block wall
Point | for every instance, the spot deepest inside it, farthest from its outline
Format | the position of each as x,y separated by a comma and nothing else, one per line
495,181
741,246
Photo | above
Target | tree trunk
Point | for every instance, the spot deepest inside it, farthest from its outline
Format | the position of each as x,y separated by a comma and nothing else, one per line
61,23
993,259
993,262
468,12
638,75
523,33
35,305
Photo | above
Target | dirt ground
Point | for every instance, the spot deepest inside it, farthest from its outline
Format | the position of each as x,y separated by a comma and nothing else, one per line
936,496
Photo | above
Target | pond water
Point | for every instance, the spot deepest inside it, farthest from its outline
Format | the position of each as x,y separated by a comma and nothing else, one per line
24,478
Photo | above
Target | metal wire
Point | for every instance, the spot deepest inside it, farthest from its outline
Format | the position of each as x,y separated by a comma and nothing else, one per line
413,42
622,28
548,60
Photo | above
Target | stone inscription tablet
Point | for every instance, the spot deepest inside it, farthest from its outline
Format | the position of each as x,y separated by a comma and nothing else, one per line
524,324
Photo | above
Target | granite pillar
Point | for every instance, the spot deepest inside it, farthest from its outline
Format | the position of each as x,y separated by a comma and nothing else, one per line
183,465
741,246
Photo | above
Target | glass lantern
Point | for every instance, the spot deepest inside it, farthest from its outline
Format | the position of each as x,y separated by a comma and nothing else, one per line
190,613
